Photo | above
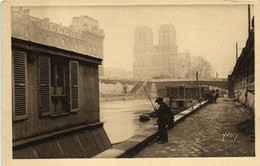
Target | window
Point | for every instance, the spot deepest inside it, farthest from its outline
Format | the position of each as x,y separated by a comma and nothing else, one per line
174,93
190,93
19,76
181,92
59,85
58,80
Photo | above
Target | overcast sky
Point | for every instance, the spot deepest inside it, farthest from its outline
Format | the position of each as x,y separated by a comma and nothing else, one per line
210,31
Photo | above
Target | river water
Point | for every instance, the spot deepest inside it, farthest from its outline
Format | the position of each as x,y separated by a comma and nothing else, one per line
121,118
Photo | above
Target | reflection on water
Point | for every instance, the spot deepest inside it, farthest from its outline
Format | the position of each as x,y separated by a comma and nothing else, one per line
122,118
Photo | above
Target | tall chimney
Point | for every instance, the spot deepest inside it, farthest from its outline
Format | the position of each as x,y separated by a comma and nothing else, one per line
249,20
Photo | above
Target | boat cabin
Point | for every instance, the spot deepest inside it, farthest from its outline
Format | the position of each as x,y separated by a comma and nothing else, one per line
184,96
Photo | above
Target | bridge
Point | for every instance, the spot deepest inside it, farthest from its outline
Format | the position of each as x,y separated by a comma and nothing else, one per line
215,82
114,80
154,87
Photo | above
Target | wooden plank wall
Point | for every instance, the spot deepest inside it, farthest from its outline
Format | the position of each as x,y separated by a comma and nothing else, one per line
88,104
80,144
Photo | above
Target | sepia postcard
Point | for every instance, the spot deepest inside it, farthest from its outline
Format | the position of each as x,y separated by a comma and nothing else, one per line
130,82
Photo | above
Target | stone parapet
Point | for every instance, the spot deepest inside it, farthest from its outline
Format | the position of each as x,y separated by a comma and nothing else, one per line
138,142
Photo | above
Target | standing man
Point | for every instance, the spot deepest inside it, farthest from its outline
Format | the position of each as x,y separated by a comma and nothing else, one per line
211,94
163,120
216,95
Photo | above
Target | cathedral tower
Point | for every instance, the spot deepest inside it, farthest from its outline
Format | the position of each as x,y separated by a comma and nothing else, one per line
143,36
167,35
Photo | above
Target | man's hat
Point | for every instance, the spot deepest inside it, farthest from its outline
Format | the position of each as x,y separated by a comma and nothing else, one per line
159,99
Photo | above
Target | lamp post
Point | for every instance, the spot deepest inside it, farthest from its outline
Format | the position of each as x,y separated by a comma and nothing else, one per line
197,77
197,83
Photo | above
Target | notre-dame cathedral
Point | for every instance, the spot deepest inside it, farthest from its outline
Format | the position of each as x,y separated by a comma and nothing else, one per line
162,60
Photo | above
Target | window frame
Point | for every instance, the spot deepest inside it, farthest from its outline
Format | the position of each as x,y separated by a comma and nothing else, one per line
70,87
67,88
25,116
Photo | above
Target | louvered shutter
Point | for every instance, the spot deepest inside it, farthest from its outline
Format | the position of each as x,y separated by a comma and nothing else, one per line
44,86
74,81
19,85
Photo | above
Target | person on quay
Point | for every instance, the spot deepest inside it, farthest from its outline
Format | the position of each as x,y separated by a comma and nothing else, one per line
211,94
165,115
216,95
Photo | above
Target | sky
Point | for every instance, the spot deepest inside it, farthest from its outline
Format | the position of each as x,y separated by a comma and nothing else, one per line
210,31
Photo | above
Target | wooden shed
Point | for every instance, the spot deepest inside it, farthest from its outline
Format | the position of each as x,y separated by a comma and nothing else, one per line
55,103
184,96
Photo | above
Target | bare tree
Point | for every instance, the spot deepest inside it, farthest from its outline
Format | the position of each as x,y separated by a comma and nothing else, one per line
201,65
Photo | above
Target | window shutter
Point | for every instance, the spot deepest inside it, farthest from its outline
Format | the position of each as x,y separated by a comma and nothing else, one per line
44,86
19,85
74,81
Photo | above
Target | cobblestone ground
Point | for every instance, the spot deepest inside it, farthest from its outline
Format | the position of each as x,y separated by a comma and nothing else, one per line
201,135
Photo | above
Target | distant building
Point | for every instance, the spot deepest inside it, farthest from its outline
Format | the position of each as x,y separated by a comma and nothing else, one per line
55,87
82,36
242,79
158,61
